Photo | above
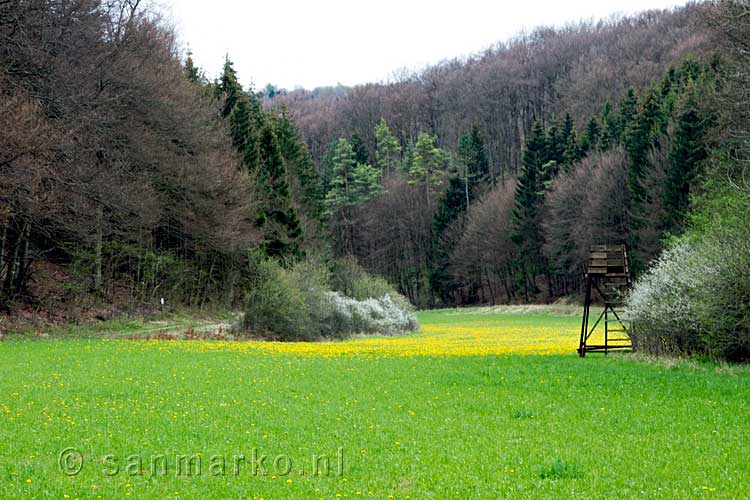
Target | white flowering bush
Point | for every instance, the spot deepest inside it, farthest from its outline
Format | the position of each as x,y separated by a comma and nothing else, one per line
382,315
661,305
696,298
297,303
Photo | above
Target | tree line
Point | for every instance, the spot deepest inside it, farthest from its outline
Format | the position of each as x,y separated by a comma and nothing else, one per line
125,175
128,175
486,179
549,71
445,231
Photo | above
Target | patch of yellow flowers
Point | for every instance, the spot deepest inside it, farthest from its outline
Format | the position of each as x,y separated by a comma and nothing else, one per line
434,340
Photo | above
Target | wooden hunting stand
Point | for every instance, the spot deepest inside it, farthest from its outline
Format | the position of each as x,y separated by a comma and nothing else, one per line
608,275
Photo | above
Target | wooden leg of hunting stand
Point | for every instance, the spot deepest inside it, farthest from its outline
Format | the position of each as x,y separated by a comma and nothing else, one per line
585,320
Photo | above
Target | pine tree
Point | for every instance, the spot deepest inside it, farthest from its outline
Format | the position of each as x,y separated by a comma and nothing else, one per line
192,72
473,156
408,162
628,111
609,135
283,231
365,183
306,182
343,162
387,150
555,146
639,139
527,233
426,167
452,206
361,153
229,87
352,184
687,152
590,140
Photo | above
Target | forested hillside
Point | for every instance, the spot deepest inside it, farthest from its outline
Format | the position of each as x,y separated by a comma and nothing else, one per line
129,175
534,76
485,180
125,174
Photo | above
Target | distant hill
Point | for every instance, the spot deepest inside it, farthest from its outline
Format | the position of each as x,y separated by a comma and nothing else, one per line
533,76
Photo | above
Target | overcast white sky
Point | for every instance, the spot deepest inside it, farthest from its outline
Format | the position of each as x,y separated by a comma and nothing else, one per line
297,43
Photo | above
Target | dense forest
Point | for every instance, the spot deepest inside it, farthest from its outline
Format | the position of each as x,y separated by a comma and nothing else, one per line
125,176
504,167
128,175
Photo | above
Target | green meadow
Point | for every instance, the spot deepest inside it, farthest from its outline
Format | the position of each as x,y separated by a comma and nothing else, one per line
112,418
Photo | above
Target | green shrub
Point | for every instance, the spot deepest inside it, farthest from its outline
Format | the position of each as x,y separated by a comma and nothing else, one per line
351,280
297,303
276,305
696,298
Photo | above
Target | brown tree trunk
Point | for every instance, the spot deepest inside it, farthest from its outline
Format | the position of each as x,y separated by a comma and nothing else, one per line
98,250
2,247
22,265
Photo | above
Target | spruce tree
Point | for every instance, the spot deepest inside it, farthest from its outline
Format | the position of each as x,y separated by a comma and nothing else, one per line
452,206
555,146
245,123
573,152
283,231
473,158
609,134
473,153
325,169
229,87
685,157
639,139
568,129
527,232
361,153
590,140
239,124
300,166
627,112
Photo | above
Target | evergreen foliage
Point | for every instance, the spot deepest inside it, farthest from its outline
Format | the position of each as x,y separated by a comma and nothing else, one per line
229,87
688,152
473,156
283,232
361,153
526,218
306,182
387,148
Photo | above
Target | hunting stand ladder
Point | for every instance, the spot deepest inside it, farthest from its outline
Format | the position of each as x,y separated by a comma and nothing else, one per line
607,275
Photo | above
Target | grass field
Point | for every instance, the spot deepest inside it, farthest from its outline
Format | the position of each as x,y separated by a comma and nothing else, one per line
481,404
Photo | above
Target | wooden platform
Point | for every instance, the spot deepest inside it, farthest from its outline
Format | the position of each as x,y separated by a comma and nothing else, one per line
607,276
